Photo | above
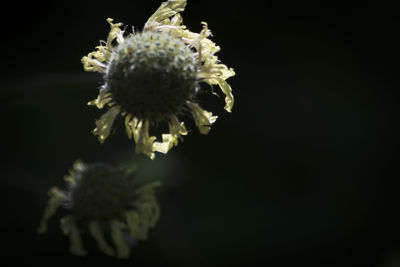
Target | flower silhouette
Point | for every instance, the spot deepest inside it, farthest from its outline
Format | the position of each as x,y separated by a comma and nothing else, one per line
106,200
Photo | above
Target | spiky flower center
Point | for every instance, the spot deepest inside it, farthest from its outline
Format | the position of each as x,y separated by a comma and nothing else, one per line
151,75
101,192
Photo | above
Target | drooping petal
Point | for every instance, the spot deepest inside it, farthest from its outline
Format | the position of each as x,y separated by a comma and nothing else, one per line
104,124
139,130
202,118
95,231
70,229
118,238
215,73
145,142
176,130
164,12
56,198
227,90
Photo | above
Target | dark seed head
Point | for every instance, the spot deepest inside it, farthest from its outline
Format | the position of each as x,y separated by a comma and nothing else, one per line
101,192
151,75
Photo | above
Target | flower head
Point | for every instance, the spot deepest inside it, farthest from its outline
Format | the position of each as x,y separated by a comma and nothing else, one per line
153,77
106,200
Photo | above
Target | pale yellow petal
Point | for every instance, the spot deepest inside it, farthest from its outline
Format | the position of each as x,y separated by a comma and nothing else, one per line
131,127
176,130
70,229
104,124
164,12
91,62
115,34
97,234
139,130
176,20
211,71
214,73
145,142
56,198
165,145
117,236
202,118
102,99
95,61
128,129
227,90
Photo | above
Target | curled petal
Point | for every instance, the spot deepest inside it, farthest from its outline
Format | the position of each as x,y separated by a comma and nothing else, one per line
211,71
176,130
115,34
139,130
144,142
102,99
164,12
69,228
165,145
227,90
214,73
56,198
103,125
91,62
95,61
202,118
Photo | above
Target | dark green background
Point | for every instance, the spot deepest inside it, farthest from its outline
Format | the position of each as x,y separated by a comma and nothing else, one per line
302,173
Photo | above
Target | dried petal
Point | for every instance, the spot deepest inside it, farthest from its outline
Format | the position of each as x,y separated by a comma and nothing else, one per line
202,118
104,124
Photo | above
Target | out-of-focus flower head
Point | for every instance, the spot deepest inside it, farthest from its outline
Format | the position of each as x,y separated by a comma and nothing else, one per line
153,77
105,200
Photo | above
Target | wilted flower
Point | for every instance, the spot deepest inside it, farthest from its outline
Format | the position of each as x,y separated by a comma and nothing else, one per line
153,77
106,200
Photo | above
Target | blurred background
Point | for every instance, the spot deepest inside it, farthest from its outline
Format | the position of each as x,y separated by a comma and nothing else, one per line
303,172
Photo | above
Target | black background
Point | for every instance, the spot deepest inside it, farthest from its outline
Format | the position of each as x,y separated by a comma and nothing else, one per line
302,173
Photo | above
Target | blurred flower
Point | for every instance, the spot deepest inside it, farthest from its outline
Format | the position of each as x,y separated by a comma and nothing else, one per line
106,200
153,77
